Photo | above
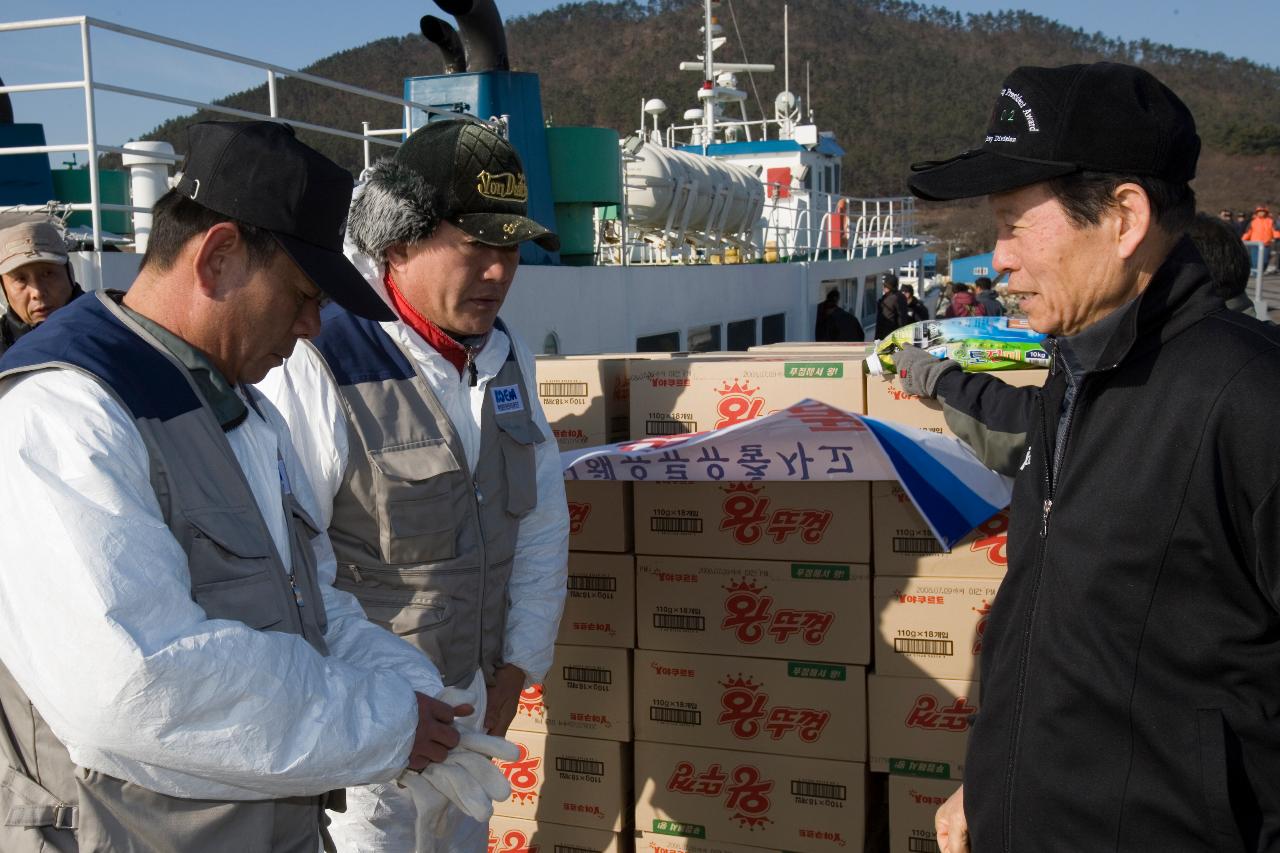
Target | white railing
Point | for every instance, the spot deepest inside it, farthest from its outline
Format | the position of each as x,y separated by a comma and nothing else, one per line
90,86
729,126
800,226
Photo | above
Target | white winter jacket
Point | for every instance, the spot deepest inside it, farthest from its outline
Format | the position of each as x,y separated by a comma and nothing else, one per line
98,626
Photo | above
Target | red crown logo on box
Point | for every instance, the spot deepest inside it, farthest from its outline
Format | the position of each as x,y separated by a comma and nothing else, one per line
747,683
747,586
736,387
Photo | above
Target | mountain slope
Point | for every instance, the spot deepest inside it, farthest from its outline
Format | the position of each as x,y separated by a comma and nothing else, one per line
896,81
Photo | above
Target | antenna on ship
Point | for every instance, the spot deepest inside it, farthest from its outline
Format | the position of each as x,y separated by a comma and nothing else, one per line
718,83
786,49
708,81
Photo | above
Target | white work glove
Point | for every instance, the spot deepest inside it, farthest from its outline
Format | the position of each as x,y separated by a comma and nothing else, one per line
469,779
466,779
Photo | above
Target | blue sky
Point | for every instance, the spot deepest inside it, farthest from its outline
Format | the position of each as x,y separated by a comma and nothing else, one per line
295,34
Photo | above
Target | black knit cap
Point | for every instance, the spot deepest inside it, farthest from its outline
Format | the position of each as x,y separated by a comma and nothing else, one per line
259,173
1050,122
478,181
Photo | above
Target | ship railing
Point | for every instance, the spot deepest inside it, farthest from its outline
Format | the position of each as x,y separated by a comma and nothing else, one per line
90,85
829,226
728,131
795,225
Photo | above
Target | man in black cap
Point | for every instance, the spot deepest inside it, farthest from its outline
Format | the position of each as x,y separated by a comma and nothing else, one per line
1129,663
437,472
177,675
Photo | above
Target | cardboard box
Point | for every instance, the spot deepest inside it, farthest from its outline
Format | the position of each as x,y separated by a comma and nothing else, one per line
920,726
696,394
652,842
844,349
513,835
783,707
587,693
756,608
904,547
577,781
912,805
585,399
600,515
887,401
600,608
931,626
822,522
800,804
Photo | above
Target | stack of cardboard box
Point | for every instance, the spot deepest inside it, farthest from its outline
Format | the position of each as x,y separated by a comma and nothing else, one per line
572,783
930,609
754,613
753,633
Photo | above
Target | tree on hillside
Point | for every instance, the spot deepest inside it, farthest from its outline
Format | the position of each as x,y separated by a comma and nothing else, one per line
897,81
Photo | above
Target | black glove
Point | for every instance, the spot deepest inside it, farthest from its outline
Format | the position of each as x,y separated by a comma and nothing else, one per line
918,371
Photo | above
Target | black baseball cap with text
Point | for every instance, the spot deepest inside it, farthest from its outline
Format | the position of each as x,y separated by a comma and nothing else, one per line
477,180
258,172
1051,122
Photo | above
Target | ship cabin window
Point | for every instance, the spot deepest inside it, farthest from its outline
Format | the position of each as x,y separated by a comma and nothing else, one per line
829,175
551,344
773,329
705,338
742,335
808,179
661,342
835,188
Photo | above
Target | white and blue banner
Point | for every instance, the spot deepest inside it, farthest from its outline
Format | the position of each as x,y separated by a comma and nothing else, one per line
811,441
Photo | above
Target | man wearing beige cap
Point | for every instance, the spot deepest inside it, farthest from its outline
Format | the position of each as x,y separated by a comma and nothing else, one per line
36,276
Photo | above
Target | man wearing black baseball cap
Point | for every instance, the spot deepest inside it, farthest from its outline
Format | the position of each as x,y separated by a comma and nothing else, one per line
1129,663
178,674
431,454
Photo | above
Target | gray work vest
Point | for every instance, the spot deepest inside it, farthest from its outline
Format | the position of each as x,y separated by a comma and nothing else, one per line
46,802
423,544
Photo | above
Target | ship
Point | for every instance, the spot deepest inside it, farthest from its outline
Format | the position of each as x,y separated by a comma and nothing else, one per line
714,231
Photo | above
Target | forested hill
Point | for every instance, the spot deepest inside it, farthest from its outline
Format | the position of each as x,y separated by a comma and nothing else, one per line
896,81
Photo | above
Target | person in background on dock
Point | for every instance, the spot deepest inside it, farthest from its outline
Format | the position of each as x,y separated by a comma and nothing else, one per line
963,303
1130,658
1241,223
834,323
986,297
35,275
915,307
892,310
438,476
1262,229
1227,260
177,674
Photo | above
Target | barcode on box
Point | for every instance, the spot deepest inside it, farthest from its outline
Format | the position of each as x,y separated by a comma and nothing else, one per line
584,766
818,790
917,545
562,389
907,646
589,674
679,716
922,845
592,583
675,525
669,427
560,848
675,622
